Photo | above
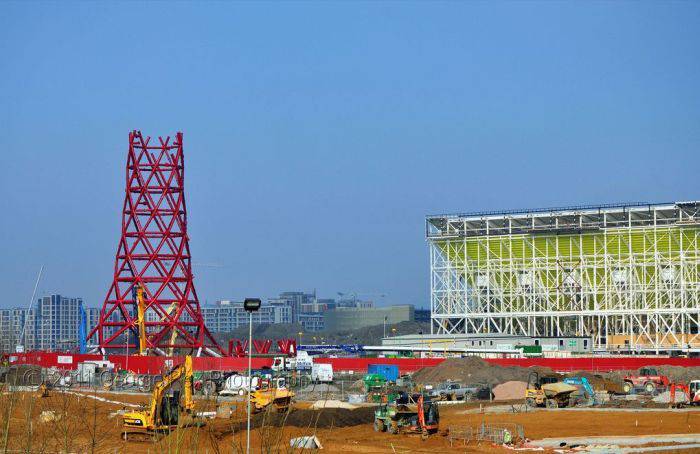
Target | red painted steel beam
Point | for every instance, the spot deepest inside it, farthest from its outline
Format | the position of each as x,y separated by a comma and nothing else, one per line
154,253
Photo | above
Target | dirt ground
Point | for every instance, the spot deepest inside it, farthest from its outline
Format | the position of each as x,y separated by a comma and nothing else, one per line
87,425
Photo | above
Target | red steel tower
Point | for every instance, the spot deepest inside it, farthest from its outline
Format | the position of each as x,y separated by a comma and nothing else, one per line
154,254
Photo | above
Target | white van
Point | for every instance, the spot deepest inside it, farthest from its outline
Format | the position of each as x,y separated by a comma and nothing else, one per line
322,373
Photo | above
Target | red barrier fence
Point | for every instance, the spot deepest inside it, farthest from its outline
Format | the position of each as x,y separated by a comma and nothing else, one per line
158,364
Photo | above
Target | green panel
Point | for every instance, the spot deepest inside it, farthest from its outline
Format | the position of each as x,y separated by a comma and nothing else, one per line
554,253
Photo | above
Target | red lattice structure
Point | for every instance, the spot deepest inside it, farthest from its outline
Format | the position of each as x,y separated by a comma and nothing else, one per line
154,253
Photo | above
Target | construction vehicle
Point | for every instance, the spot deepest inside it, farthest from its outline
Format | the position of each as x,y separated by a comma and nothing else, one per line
164,412
548,391
375,385
585,386
322,373
43,390
694,391
450,390
277,395
690,394
408,414
649,380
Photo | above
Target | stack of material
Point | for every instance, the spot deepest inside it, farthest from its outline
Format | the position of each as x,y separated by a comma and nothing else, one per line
510,390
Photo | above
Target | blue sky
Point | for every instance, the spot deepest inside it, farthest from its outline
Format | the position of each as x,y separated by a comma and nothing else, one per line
319,135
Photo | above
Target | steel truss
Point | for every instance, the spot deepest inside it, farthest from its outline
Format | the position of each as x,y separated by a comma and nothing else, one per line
627,276
154,253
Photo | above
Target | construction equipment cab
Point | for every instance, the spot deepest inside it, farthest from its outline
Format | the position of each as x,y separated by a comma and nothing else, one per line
648,380
534,394
169,407
588,391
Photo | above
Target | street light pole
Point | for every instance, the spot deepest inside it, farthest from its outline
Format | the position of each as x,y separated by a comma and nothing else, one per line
250,377
250,305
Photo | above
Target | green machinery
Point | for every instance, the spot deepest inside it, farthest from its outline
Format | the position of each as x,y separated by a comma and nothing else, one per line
408,414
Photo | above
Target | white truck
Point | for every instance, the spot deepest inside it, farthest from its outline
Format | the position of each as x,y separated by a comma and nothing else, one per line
302,361
321,373
239,385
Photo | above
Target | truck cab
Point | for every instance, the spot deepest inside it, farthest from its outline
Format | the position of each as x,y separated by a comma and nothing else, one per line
534,394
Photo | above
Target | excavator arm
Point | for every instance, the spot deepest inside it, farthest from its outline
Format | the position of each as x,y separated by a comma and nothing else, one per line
141,320
150,420
185,369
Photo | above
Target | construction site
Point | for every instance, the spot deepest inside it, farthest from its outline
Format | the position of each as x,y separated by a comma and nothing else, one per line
558,330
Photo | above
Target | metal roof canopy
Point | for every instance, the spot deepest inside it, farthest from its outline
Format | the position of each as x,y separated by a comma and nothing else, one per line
562,220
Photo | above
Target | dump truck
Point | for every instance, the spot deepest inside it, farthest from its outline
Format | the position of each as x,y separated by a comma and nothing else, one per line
548,391
271,394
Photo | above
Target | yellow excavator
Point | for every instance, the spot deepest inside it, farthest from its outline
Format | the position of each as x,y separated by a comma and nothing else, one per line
168,408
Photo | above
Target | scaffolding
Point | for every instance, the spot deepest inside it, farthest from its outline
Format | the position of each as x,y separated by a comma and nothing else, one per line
627,276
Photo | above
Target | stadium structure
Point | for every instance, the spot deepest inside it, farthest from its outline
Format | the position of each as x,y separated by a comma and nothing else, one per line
627,275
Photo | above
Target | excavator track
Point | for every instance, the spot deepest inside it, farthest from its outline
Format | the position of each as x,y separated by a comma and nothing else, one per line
140,436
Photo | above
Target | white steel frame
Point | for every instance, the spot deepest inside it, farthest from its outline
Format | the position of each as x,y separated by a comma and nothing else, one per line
636,299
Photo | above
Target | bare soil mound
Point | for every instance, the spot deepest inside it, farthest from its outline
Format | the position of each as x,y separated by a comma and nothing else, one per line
474,370
677,374
325,418
509,390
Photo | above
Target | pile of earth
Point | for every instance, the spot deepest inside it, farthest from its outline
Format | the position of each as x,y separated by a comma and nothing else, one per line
677,374
323,419
509,390
475,370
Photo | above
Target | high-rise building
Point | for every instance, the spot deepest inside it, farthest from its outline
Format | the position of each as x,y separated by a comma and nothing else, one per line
56,322
12,322
296,301
93,317
52,324
225,316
